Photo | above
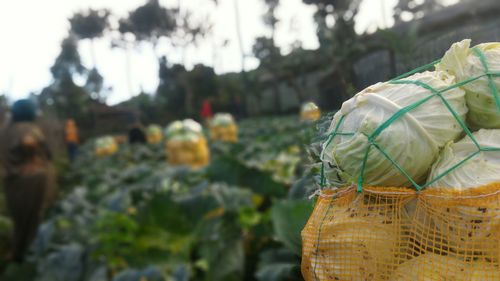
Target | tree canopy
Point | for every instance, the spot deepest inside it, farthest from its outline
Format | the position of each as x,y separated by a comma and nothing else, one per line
90,24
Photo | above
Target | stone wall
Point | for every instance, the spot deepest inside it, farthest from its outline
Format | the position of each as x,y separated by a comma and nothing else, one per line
474,19
477,20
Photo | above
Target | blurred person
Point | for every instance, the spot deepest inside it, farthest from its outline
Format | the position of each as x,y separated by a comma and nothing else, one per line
136,134
71,139
206,111
29,177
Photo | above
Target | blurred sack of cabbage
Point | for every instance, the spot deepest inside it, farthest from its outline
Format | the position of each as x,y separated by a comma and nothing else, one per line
465,63
412,141
222,119
105,146
186,130
223,128
310,112
154,133
186,144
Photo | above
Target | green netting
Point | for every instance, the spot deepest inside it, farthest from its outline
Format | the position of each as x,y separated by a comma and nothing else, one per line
434,93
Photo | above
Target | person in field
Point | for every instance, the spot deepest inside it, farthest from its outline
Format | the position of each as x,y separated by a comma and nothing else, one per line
206,111
29,177
71,139
136,134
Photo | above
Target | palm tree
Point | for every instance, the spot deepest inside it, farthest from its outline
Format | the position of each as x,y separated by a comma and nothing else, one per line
90,25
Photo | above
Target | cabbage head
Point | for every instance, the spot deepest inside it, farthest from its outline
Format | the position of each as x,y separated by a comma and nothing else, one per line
186,130
105,142
192,126
309,106
153,129
222,119
482,169
413,141
173,128
461,61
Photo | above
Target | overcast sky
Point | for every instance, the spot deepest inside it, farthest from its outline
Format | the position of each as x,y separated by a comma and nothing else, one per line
32,30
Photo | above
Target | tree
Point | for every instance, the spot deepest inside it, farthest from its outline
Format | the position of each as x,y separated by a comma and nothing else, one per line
189,31
171,93
95,85
63,96
270,16
149,22
337,38
68,62
3,109
269,56
230,95
181,91
90,25
403,45
414,9
266,51
245,81
340,41
204,84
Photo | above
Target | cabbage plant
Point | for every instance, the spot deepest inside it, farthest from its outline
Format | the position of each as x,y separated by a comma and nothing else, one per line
412,141
465,63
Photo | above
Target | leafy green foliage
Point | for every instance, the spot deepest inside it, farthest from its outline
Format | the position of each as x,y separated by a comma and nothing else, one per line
130,215
278,265
289,217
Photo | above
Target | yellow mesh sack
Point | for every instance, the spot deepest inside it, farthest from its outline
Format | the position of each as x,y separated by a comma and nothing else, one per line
105,146
226,133
310,114
403,235
194,153
154,134
156,138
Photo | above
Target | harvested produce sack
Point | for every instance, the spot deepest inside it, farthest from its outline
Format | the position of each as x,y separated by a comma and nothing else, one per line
223,128
440,220
186,144
105,146
369,235
154,134
310,112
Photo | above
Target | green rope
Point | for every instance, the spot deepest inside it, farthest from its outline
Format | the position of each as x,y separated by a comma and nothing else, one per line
416,70
334,132
491,83
363,167
434,93
401,170
452,168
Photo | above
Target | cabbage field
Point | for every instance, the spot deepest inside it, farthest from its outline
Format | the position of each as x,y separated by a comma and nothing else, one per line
131,216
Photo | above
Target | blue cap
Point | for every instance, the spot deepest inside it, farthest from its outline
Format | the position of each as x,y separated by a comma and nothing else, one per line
23,111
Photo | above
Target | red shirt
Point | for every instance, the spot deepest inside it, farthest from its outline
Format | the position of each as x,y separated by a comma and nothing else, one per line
206,110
